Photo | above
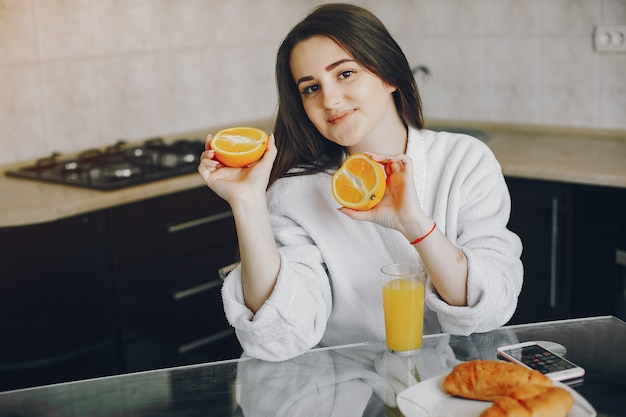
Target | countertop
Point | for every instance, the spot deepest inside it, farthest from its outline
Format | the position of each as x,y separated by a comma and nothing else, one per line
353,380
585,156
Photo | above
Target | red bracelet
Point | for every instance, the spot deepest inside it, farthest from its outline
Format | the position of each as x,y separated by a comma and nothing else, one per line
419,239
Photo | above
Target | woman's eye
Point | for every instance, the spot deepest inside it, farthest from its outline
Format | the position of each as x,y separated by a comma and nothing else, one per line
345,74
310,89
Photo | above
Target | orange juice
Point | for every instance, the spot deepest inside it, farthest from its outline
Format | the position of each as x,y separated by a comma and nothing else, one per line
403,301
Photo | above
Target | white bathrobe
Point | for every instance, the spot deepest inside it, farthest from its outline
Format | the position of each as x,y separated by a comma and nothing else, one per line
328,291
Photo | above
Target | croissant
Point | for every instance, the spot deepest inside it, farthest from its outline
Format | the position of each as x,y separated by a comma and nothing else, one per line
486,380
532,401
514,390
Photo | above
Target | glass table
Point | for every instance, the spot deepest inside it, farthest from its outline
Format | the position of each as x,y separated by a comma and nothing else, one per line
354,380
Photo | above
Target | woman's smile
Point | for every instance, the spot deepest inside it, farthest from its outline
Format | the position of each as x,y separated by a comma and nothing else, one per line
338,118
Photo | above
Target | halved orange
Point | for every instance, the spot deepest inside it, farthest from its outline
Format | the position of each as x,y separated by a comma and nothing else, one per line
359,183
239,146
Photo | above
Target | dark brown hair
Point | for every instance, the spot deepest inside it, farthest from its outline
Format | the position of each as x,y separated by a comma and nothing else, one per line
363,36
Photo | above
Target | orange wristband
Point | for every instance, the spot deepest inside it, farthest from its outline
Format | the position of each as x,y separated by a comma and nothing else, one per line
419,239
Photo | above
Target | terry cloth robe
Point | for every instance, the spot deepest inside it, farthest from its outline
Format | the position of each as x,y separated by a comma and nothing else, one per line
329,288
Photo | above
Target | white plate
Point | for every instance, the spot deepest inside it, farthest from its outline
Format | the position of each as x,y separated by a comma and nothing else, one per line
427,399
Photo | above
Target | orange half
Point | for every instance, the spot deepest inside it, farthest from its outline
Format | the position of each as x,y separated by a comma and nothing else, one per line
359,183
239,146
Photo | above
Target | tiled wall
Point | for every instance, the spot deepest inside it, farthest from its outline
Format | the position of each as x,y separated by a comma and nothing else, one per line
76,74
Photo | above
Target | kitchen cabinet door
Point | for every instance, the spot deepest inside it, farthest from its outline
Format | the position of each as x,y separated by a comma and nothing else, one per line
55,315
541,214
599,237
167,252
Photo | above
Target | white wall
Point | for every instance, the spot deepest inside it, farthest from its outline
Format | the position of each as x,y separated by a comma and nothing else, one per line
77,74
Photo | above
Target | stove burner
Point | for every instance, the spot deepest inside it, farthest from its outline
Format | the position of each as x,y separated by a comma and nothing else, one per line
118,165
48,161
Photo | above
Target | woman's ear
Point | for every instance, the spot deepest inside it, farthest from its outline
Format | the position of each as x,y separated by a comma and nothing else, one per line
390,88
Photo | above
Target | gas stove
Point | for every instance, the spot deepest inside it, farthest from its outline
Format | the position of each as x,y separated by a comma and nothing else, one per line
119,165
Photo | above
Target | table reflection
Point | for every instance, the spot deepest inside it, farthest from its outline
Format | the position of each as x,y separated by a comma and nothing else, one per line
356,380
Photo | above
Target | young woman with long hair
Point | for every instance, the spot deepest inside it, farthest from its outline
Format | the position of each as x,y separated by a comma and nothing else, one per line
310,270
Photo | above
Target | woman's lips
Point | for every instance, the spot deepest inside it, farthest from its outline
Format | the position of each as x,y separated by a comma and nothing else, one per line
339,117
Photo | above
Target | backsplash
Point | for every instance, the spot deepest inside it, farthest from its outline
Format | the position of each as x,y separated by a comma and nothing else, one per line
77,74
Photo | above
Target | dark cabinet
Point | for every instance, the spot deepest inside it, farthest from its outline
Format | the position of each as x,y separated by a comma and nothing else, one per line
573,236
541,214
167,252
55,315
599,273
129,288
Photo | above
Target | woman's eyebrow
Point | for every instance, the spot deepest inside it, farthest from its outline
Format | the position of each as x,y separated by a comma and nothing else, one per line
328,68
336,64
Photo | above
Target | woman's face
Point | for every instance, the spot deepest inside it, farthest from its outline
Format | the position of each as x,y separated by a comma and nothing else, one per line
347,104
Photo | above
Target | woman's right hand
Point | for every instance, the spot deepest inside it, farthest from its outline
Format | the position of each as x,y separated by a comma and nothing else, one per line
244,190
236,183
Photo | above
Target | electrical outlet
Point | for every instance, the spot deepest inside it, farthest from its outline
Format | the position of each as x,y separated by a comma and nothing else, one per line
610,38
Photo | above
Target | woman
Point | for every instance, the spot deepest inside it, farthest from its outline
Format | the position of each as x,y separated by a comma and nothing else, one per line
310,271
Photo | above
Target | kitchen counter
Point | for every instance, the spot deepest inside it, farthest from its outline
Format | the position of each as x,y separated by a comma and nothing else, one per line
584,156
354,380
581,156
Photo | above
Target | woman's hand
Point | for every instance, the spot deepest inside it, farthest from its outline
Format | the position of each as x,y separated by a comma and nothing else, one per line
232,184
400,210
244,190
400,207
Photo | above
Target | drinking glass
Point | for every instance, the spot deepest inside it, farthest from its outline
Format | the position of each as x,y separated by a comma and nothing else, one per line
403,303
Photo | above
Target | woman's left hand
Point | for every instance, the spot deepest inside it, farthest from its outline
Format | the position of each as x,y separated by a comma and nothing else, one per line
400,209
400,206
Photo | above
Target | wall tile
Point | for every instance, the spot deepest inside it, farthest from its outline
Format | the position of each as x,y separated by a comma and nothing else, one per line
398,24
238,22
613,12
125,87
570,71
452,17
20,114
570,17
459,79
121,26
17,32
64,28
422,51
513,17
613,91
514,79
244,84
174,24
418,20
209,105
181,81
70,105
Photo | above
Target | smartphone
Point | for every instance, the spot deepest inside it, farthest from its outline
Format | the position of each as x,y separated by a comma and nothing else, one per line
533,356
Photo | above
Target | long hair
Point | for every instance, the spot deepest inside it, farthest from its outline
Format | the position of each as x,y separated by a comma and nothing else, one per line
363,36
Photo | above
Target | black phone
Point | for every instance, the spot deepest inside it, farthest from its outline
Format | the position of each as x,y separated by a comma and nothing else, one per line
533,356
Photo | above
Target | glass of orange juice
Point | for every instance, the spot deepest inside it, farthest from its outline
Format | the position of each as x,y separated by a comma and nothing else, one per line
403,302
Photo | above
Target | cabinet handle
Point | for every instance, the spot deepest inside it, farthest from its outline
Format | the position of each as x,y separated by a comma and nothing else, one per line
175,228
553,250
187,347
223,272
620,257
179,295
53,360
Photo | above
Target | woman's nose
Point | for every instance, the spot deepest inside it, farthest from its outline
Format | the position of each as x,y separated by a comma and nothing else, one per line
332,96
